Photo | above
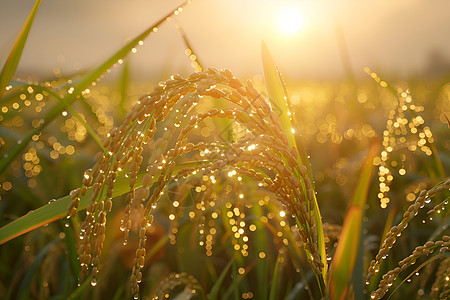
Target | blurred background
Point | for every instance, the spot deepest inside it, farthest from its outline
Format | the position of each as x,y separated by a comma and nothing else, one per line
309,39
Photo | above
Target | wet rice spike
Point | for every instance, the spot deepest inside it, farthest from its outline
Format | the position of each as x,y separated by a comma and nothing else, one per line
396,231
171,108
387,280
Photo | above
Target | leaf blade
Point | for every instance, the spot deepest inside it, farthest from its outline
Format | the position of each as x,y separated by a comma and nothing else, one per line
57,209
16,52
347,250
274,286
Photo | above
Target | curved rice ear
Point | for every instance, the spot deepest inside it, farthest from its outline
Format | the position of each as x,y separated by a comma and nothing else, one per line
278,97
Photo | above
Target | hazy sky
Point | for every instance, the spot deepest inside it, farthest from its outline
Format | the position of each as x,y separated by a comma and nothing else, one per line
391,37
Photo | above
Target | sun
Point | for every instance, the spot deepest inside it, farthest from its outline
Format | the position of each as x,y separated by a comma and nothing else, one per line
289,20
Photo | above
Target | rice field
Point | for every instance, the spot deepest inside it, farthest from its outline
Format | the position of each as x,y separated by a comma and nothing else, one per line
210,186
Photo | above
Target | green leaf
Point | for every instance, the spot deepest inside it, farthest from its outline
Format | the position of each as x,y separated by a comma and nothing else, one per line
80,86
349,240
199,67
16,52
274,285
58,209
216,288
276,93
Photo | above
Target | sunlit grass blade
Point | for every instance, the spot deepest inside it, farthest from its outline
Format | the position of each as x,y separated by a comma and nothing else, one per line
16,52
124,83
278,96
80,85
348,245
276,93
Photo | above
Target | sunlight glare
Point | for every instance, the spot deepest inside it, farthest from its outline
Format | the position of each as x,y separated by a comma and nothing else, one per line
289,20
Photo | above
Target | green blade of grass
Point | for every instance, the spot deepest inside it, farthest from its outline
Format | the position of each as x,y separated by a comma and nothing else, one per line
278,95
347,250
216,287
80,86
199,67
16,52
58,209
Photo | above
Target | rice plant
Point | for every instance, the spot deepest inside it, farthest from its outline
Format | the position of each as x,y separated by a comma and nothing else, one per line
204,190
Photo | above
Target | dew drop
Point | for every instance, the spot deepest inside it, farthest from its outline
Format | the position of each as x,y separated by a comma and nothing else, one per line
94,282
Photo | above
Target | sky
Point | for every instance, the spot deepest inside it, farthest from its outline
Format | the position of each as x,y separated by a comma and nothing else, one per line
393,38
